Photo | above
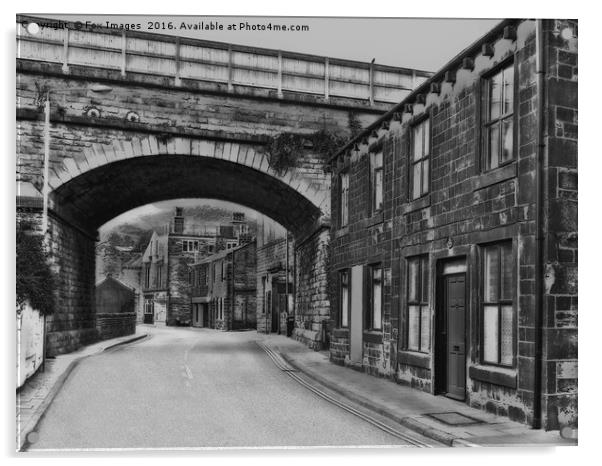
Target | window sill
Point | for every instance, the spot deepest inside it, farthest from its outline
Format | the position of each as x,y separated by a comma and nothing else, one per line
495,176
418,204
494,375
373,336
414,358
376,218
342,332
341,231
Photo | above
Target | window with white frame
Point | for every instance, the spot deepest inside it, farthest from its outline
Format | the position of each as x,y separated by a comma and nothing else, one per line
497,322
376,181
420,165
498,118
374,314
418,313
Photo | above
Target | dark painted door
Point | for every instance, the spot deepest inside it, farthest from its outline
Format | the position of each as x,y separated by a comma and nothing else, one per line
205,308
455,309
276,302
149,311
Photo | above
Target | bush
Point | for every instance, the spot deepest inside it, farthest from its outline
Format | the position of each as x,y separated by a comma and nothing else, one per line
285,149
35,279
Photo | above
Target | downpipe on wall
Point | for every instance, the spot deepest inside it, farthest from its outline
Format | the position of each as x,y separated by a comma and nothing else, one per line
539,225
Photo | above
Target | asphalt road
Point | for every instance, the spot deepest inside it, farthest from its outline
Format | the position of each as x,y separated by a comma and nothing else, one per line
190,388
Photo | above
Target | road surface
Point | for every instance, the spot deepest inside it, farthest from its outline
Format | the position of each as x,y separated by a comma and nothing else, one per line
194,388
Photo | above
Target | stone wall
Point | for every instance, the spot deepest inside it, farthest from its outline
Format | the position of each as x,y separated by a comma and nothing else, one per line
179,111
312,304
560,303
113,325
271,267
244,278
178,282
73,259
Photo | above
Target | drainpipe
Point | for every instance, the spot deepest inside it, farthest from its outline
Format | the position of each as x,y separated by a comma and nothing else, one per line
286,290
539,225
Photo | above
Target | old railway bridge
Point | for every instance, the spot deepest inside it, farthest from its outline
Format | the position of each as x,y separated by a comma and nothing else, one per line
184,119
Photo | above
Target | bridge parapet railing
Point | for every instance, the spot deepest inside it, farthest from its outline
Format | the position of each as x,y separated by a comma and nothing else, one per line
230,64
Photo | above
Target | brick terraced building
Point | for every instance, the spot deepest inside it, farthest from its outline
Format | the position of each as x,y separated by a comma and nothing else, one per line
453,253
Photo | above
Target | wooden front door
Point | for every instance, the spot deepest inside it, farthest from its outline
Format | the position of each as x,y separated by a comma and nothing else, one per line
454,307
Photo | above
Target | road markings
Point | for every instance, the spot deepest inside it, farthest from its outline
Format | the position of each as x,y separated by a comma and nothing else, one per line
187,371
291,372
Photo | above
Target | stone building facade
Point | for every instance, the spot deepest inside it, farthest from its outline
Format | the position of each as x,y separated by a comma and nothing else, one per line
275,278
166,264
223,289
453,258
130,274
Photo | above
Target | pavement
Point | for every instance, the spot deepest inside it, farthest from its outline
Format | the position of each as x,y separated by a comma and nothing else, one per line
460,425
36,395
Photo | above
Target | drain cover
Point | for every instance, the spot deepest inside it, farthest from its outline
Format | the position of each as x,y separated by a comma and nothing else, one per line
455,419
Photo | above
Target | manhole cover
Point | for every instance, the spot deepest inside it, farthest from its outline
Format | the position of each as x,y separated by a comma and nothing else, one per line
455,419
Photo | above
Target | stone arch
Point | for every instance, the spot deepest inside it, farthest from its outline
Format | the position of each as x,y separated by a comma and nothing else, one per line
103,181
181,167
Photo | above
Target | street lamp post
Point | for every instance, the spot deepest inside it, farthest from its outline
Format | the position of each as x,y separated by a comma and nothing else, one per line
97,88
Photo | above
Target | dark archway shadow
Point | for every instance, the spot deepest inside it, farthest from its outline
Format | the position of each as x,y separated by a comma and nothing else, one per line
101,194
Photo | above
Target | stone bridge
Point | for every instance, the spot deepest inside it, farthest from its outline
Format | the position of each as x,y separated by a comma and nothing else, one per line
184,119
